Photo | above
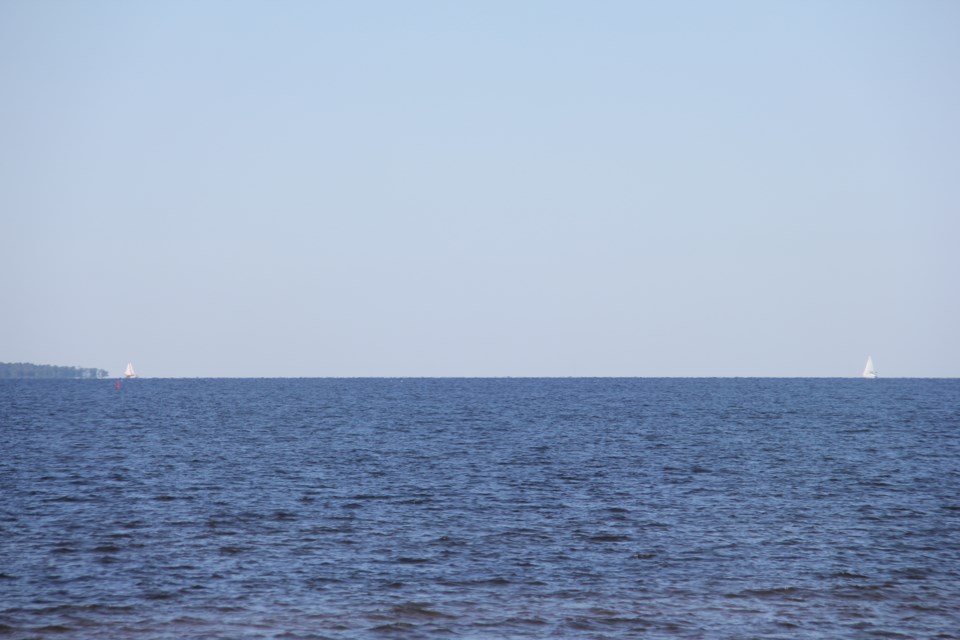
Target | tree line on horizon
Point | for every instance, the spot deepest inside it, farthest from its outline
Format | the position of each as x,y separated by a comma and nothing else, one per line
28,370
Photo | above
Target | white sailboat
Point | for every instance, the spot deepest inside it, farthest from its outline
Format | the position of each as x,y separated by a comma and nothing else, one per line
130,373
869,371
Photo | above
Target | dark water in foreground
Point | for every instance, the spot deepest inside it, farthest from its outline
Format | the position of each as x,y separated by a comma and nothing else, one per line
524,508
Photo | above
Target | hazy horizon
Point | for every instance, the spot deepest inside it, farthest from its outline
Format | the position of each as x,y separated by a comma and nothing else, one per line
112,376
621,189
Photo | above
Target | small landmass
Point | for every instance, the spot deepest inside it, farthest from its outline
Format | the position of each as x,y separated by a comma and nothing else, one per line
28,370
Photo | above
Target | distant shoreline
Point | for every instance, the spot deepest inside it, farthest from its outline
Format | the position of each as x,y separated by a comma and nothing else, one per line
30,371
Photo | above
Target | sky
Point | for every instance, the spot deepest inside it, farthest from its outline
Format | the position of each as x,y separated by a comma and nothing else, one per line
543,188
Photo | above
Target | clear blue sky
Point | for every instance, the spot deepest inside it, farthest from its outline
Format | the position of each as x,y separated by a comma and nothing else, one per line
481,188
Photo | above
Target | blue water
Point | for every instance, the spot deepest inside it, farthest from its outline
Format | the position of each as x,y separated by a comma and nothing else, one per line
483,508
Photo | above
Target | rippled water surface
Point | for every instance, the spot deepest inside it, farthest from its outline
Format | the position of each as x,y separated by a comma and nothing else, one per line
483,508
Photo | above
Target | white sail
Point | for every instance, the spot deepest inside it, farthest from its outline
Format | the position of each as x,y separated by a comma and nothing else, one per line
869,371
129,373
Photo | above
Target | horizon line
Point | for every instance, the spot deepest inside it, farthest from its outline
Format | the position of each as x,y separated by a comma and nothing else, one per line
528,377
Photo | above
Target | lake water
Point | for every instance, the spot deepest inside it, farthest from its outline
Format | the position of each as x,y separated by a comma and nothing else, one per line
480,508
